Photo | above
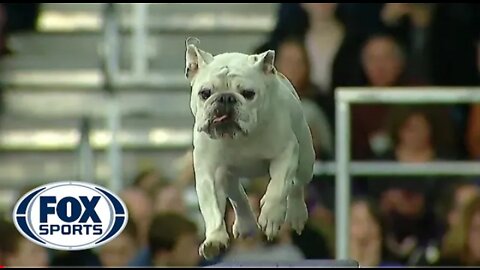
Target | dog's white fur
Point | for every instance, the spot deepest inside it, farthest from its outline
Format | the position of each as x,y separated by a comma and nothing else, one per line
273,139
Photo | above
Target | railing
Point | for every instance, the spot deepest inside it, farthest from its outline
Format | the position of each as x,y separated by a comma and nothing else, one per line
111,64
345,167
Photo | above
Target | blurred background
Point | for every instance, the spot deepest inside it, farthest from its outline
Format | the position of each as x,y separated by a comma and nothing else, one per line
97,93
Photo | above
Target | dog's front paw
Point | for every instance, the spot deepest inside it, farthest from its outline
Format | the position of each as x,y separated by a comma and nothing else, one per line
212,246
272,217
297,214
244,226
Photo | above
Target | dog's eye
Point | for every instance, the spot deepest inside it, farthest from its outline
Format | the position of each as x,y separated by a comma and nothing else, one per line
205,93
248,94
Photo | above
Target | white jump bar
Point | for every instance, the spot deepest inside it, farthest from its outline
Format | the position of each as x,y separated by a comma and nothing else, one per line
380,168
396,95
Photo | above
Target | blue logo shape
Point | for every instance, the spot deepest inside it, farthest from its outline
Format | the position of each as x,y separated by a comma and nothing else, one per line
70,215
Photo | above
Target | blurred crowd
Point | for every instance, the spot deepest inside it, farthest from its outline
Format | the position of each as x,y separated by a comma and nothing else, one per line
395,221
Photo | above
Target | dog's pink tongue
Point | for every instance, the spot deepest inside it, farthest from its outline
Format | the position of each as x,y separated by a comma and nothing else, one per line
220,119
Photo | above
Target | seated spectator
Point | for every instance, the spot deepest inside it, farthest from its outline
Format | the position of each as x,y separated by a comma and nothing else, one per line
173,241
462,244
473,132
186,177
140,209
420,134
367,235
383,64
18,251
452,199
169,199
120,250
410,221
410,23
148,181
462,193
292,61
333,54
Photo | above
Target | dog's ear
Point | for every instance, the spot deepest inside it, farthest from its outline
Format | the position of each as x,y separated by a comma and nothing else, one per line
265,61
195,58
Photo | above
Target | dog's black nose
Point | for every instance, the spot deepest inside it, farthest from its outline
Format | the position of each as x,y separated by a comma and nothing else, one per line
227,99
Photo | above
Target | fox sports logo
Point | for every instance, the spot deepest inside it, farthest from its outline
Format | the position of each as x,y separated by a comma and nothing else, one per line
70,215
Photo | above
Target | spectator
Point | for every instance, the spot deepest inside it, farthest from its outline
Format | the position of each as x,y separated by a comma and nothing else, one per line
445,55
462,244
410,221
384,64
292,61
332,53
420,134
367,235
170,199
17,251
436,49
383,61
148,181
186,177
140,211
451,204
360,20
172,240
462,193
119,251
410,23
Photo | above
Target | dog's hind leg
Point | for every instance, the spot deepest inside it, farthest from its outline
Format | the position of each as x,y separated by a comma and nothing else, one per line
297,214
245,221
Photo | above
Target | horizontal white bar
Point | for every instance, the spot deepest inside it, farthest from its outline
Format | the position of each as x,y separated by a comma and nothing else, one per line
408,94
383,168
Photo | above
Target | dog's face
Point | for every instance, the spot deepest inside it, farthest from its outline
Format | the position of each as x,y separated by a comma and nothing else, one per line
230,92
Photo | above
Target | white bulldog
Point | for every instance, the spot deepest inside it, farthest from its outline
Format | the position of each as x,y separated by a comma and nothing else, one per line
248,123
